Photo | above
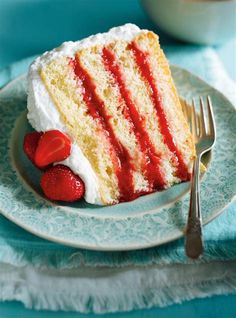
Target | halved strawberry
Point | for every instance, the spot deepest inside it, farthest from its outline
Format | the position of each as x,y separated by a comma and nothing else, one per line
53,146
61,184
30,144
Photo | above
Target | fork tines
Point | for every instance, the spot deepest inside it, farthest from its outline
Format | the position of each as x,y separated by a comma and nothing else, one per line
202,124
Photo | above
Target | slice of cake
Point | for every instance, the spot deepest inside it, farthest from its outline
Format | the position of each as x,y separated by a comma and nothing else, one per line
113,95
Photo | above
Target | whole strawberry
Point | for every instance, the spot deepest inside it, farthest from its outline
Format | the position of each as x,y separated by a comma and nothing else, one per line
30,144
59,183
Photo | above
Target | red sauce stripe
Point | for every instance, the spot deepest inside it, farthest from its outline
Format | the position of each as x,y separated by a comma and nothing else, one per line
96,108
142,62
151,166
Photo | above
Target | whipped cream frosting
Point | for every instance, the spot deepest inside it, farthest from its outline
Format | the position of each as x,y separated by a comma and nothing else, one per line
43,114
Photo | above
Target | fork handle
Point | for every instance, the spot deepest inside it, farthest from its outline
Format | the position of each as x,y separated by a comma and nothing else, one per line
193,243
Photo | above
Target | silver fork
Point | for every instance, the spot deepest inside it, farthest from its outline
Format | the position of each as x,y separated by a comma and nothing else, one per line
204,134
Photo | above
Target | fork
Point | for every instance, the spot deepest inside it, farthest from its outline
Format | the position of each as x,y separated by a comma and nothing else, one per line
204,134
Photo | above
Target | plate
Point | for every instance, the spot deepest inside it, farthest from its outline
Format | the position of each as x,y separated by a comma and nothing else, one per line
148,221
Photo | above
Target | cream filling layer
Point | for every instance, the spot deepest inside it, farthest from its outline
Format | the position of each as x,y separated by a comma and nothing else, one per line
43,114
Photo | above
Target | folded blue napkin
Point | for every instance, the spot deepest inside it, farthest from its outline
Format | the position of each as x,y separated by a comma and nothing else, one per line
46,275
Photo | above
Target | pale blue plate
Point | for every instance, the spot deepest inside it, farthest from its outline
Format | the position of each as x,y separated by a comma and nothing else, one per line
150,220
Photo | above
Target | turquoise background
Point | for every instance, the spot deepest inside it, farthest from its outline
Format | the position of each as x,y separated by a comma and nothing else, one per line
30,27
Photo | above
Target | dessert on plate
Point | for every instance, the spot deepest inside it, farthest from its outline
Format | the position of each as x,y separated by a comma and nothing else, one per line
108,119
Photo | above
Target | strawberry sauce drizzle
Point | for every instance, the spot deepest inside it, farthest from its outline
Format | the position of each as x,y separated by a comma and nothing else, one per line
96,108
141,59
151,162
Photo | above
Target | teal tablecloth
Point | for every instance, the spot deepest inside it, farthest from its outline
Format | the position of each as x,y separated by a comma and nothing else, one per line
28,35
